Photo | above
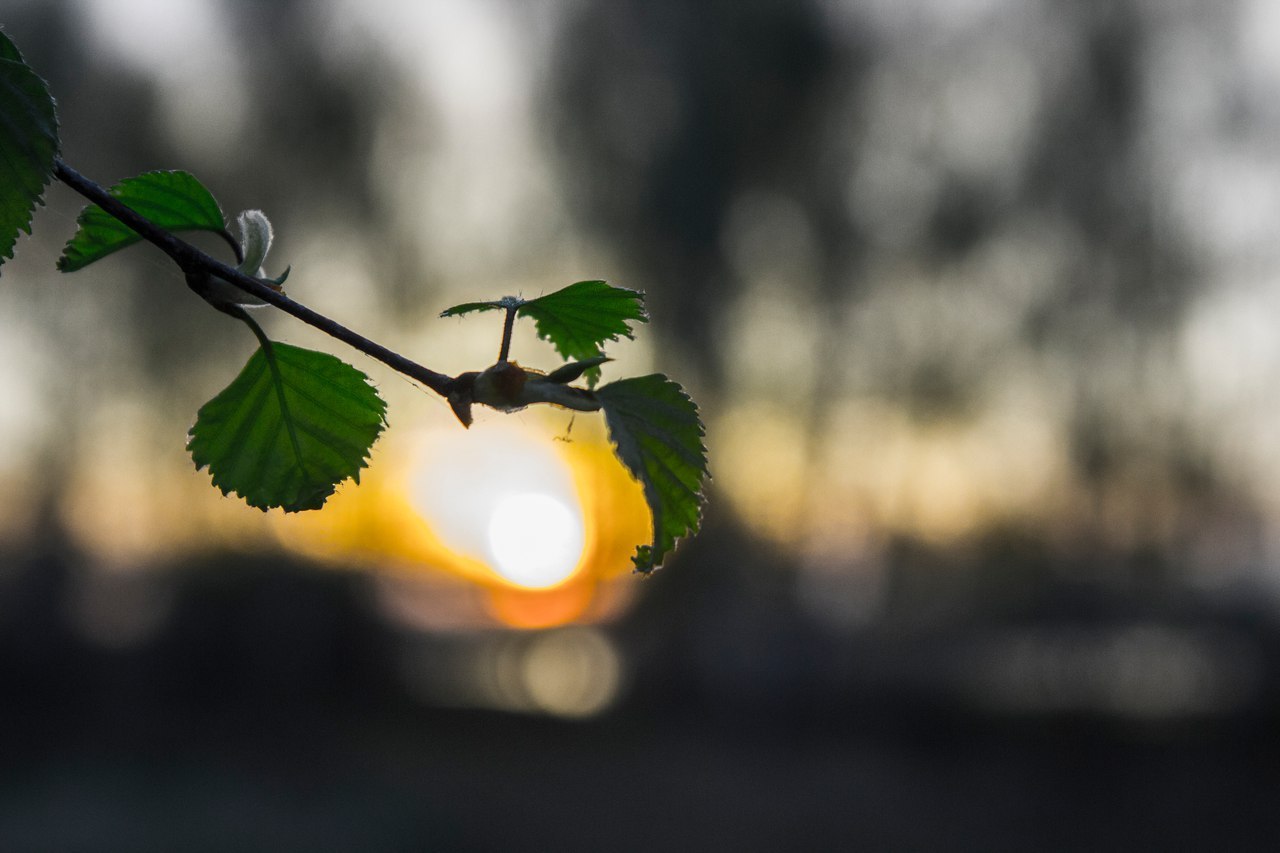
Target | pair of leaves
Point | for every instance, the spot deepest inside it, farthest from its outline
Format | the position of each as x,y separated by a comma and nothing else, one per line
28,152
576,319
28,144
295,423
653,424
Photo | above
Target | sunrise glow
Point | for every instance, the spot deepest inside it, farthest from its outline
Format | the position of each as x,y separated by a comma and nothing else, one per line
513,522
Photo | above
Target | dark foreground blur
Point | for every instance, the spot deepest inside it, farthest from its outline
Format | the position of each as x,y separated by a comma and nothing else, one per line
267,709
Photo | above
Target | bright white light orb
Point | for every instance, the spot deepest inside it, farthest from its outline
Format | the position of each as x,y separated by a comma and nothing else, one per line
535,540
502,495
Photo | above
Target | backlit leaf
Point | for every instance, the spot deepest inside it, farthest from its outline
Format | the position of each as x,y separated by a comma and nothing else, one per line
28,144
579,318
175,201
293,425
469,307
658,435
576,319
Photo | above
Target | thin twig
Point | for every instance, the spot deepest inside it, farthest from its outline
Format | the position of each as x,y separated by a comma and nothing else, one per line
192,261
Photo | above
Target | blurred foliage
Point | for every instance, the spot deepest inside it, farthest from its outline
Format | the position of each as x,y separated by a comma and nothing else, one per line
666,112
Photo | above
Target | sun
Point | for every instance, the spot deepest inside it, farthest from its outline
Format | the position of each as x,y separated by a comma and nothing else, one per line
505,498
535,540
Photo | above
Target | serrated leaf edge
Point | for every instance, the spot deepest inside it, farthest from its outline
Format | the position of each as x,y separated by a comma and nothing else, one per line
66,263
50,134
643,559
299,502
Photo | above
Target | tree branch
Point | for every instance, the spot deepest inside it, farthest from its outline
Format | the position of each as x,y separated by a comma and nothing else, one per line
192,261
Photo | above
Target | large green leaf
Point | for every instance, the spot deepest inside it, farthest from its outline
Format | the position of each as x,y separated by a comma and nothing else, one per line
293,425
175,201
658,435
577,319
28,144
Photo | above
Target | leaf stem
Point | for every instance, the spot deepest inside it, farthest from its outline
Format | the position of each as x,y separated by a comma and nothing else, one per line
233,243
193,261
269,353
243,316
507,325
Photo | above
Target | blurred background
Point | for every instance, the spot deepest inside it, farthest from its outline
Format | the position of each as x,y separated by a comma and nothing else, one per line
978,298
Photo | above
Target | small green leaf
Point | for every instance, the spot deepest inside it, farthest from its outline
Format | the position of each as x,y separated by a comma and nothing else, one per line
28,144
658,435
469,307
574,369
175,201
576,319
293,425
579,318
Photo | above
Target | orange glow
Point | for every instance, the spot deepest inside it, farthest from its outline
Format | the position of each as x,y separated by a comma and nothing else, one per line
541,522
519,608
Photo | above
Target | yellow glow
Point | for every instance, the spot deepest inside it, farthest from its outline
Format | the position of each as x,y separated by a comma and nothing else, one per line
537,522
762,465
158,509
875,469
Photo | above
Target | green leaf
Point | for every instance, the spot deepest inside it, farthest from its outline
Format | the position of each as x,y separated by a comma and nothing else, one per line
574,369
658,435
28,144
293,425
9,50
577,319
175,201
469,307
